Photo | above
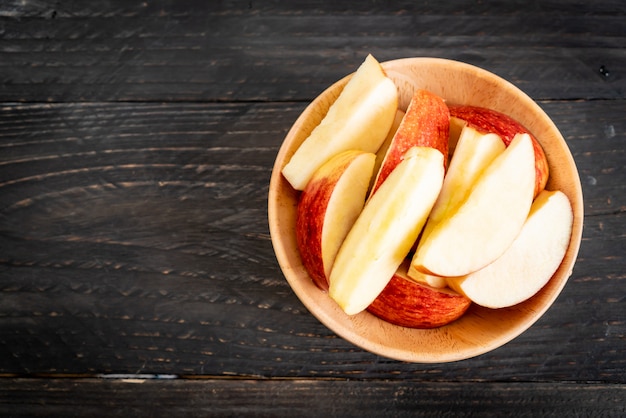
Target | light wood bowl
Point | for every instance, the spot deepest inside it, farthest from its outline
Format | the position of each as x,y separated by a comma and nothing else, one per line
480,330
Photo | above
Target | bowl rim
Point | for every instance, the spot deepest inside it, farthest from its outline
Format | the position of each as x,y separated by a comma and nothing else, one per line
348,327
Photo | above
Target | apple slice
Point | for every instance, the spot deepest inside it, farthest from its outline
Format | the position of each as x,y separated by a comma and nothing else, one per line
425,124
382,151
409,304
530,261
489,120
386,229
456,127
327,208
487,221
431,280
360,119
474,152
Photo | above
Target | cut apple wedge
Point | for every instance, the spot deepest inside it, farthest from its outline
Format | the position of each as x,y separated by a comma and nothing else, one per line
382,151
530,261
473,154
491,121
386,229
359,118
487,221
456,127
409,304
425,278
327,208
425,124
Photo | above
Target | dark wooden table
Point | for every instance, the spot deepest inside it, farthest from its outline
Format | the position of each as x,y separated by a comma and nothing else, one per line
137,276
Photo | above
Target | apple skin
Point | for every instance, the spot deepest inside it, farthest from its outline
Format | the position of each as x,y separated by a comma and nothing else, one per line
426,123
410,304
327,209
491,121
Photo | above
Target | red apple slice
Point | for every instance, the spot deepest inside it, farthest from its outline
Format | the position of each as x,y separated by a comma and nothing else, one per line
489,120
360,119
530,261
425,124
456,127
382,151
328,207
386,229
487,221
406,303
474,152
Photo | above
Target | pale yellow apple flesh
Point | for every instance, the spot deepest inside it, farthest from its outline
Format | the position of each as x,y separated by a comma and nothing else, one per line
386,229
473,154
382,151
425,278
346,203
360,119
530,261
487,221
474,151
327,208
489,120
456,127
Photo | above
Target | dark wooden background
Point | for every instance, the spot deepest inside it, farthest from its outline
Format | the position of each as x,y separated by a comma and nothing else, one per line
137,276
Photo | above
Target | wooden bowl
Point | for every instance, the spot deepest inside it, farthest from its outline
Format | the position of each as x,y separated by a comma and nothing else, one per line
480,329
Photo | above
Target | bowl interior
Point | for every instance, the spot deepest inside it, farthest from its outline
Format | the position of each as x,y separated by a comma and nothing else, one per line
480,329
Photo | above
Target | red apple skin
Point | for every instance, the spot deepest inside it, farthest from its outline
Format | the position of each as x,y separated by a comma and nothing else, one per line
409,304
311,209
491,121
426,123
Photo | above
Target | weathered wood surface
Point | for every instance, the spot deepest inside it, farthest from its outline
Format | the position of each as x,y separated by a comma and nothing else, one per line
136,145
307,398
268,51
132,233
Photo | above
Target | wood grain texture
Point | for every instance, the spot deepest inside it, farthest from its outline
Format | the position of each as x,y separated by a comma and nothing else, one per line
136,144
242,50
134,238
304,398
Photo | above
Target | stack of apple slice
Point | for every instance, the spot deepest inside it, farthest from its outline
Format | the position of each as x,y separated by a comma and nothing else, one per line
389,222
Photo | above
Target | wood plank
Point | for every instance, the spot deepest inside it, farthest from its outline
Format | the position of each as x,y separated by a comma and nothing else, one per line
594,132
134,239
100,310
137,275
279,398
135,51
102,144
51,10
